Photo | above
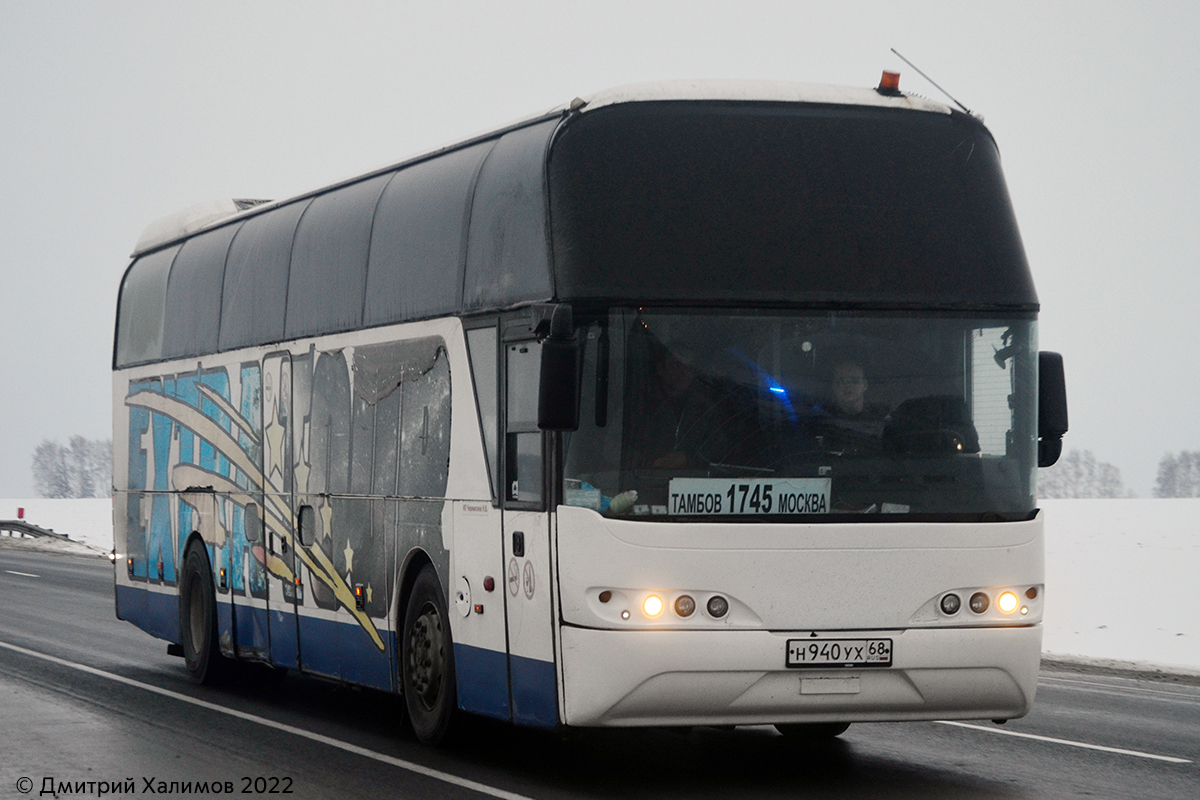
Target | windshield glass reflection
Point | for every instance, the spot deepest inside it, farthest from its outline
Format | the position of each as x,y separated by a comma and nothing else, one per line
720,413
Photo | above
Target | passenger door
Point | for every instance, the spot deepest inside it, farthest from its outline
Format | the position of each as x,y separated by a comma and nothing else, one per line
528,580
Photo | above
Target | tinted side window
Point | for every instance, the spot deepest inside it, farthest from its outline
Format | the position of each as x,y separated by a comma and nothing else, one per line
193,311
256,278
507,257
418,243
329,260
140,314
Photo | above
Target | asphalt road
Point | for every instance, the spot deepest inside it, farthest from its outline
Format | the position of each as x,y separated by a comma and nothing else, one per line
86,698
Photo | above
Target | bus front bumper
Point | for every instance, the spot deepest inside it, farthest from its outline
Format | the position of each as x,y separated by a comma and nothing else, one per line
657,677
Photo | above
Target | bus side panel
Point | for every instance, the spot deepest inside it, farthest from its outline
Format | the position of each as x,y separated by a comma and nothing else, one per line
477,614
473,527
535,691
531,619
132,475
482,687
372,458
189,467
343,650
155,612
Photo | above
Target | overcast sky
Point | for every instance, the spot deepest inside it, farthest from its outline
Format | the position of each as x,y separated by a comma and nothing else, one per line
115,114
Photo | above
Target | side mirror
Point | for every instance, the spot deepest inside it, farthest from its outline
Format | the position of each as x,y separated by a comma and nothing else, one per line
1052,407
558,392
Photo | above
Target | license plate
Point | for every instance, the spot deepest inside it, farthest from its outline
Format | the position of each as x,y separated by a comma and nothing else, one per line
839,652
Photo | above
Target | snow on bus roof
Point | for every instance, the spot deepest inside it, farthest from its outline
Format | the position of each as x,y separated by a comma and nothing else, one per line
756,91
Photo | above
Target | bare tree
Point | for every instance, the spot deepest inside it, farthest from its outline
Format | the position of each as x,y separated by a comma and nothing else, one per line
101,467
1079,474
79,456
51,472
83,469
1179,475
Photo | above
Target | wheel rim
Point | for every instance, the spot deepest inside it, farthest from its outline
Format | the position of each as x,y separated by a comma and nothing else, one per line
426,656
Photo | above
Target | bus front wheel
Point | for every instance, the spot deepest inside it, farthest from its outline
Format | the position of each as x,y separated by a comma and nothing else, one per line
427,660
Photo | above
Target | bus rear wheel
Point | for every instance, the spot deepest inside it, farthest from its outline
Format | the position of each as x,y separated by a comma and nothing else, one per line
812,732
427,660
198,617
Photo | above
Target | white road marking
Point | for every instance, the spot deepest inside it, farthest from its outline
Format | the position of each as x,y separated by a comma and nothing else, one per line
445,777
23,574
1068,742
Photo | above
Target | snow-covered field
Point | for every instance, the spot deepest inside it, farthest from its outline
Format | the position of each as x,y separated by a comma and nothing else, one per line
86,521
1121,580
1121,575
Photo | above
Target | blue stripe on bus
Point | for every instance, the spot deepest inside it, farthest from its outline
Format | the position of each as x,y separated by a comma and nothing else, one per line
154,612
482,679
534,692
344,651
250,638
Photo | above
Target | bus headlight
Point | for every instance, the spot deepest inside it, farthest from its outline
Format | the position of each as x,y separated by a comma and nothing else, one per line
1007,602
979,602
652,606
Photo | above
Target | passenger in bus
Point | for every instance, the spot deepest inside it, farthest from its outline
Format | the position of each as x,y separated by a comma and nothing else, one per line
853,425
686,423
849,386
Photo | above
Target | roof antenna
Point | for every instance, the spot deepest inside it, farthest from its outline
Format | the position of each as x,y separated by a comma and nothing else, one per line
931,80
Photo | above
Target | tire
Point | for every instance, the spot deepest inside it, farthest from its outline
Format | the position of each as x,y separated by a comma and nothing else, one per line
427,660
198,618
812,732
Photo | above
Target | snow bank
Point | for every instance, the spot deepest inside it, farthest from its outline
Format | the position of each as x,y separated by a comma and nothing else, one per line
1120,574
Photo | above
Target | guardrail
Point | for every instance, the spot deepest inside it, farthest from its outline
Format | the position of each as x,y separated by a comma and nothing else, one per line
15,526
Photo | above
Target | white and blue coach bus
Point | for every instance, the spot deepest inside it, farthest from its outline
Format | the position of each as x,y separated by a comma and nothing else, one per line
683,404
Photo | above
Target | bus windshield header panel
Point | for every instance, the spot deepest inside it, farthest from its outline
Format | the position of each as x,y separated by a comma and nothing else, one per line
785,204
690,413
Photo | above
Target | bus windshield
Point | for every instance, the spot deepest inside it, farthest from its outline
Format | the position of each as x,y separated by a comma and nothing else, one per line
722,412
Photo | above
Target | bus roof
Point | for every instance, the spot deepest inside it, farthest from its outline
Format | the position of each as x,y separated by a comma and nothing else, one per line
183,224
755,91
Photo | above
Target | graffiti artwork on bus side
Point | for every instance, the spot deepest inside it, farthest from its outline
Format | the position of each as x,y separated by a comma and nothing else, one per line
362,436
